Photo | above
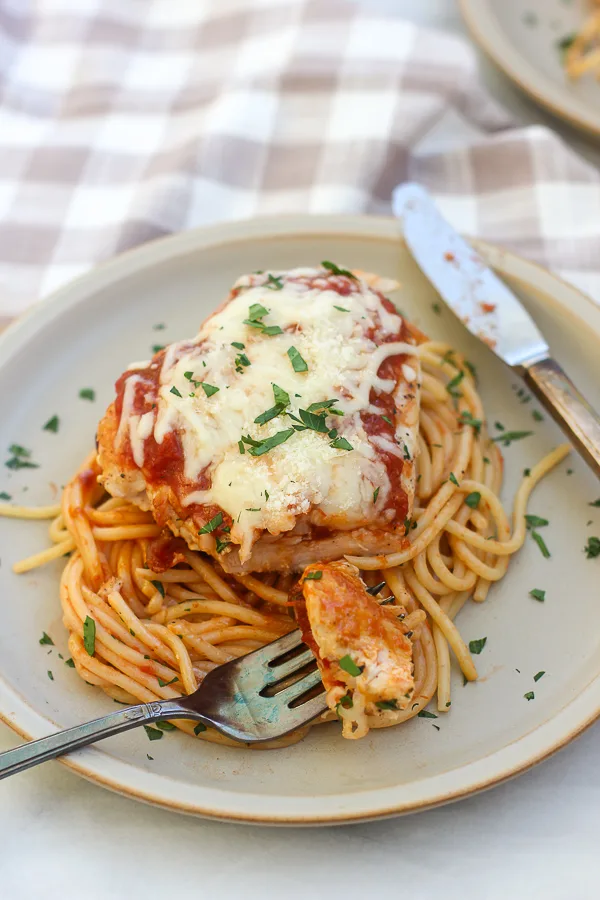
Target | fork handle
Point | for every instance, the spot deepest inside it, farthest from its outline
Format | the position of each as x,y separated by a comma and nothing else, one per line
34,752
568,407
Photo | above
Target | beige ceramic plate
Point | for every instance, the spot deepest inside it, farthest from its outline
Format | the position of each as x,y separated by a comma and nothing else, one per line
522,37
86,335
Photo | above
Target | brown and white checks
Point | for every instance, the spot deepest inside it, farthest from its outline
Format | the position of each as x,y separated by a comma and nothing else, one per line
123,120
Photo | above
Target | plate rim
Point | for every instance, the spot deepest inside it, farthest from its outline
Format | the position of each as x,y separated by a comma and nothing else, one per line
225,805
477,16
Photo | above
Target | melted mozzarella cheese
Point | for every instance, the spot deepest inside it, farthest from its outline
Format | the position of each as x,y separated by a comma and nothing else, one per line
306,474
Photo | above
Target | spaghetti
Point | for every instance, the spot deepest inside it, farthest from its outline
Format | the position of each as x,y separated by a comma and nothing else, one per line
144,635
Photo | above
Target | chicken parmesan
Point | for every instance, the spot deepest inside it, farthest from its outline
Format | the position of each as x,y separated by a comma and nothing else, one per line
362,647
285,432
308,460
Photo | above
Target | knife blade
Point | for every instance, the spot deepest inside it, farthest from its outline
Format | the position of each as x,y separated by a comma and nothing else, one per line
487,307
492,312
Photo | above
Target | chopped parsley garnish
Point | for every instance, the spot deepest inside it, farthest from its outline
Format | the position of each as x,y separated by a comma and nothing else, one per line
477,646
541,544
212,525
175,391
20,458
153,733
340,443
222,544
159,587
499,426
388,420
532,523
274,282
537,416
261,447
473,499
282,399
322,405
89,636
526,472
345,702
312,421
160,326
165,726
386,704
594,503
538,675
256,314
70,663
471,368
538,594
335,270
535,521
452,478
156,348
592,548
425,714
453,384
529,695
200,727
257,311
269,414
238,345
565,43
209,389
50,675
241,362
507,437
348,665
467,419
341,308
375,495
52,424
166,684
5,496
436,308
241,447
87,394
313,576
46,639
250,441
298,363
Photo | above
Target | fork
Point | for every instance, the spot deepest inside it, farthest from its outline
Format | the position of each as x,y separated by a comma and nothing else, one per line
251,699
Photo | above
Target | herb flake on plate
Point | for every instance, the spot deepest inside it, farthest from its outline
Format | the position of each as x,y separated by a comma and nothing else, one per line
52,424
477,646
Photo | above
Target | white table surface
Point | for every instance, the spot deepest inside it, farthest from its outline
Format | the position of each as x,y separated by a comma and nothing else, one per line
536,837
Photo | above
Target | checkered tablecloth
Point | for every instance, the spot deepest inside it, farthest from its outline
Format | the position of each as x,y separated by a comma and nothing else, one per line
124,120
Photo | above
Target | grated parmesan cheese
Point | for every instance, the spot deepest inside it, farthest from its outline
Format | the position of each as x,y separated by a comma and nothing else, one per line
306,474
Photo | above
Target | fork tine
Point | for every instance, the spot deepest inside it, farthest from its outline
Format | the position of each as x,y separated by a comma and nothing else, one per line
300,715
268,653
277,673
295,690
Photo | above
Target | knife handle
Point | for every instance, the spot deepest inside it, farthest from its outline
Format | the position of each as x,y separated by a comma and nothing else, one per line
568,407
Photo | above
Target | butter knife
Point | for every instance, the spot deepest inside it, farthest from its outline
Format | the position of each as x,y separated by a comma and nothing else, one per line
492,312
